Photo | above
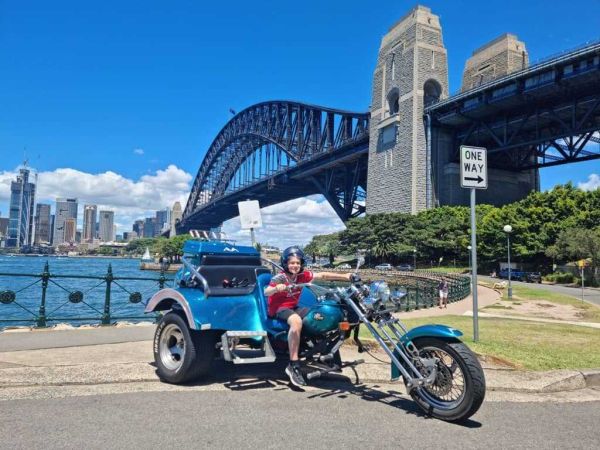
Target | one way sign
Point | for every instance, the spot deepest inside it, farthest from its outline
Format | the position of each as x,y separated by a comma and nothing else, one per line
473,167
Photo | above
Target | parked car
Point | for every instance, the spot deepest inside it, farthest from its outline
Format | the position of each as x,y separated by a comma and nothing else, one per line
515,275
533,277
345,266
520,275
384,266
405,268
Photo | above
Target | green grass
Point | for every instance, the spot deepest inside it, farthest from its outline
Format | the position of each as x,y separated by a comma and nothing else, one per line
589,312
525,345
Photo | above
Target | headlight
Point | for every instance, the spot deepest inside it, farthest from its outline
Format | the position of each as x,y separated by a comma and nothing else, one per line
379,292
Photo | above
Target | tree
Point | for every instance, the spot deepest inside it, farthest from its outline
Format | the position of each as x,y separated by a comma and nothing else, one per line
579,243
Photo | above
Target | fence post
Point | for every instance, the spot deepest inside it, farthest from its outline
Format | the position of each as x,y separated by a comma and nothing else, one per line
109,278
161,279
417,296
41,320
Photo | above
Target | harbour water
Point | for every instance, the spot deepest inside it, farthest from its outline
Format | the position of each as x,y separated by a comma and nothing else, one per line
25,309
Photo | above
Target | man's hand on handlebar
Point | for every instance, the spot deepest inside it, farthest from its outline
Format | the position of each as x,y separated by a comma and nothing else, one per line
355,278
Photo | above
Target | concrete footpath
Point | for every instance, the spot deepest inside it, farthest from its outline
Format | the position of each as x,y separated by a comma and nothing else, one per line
123,354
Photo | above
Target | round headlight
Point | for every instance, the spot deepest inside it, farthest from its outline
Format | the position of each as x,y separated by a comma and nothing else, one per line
379,290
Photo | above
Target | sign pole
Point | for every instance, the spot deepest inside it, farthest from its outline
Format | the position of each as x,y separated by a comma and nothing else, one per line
473,175
253,237
582,273
474,268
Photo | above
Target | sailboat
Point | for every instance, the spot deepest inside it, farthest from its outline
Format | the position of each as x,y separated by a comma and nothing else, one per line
146,257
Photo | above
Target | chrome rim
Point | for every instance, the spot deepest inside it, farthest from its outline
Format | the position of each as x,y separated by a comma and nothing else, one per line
449,387
171,347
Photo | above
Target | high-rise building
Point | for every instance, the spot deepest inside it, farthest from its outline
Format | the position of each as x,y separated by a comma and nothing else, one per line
20,223
52,228
149,227
3,229
138,227
66,208
89,223
42,224
129,236
176,215
162,220
106,223
69,231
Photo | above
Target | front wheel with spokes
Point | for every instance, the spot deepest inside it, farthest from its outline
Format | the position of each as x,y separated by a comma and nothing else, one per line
459,387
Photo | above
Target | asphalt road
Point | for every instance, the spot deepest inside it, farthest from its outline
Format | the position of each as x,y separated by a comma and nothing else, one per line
591,295
273,416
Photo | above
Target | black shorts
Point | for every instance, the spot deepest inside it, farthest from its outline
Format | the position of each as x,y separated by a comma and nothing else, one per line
285,313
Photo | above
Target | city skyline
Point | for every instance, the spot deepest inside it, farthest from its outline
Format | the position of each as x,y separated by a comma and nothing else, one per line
32,222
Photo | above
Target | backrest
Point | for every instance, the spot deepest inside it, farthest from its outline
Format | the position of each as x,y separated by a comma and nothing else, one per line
262,282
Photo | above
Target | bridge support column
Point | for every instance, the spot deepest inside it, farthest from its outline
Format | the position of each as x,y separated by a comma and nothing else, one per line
411,72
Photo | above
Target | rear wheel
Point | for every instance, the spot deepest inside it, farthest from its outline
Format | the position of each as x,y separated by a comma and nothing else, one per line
459,388
181,354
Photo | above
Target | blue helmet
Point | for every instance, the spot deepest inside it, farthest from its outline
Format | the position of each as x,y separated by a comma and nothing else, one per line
292,251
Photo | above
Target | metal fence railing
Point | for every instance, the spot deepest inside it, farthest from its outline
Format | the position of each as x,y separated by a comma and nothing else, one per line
421,287
44,298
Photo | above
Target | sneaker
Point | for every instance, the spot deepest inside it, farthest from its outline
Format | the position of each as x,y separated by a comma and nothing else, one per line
296,378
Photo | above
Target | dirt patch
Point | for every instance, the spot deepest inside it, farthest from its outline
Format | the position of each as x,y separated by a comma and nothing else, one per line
539,308
493,362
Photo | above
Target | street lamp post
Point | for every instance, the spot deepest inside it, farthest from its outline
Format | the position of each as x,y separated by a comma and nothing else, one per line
469,248
414,259
508,229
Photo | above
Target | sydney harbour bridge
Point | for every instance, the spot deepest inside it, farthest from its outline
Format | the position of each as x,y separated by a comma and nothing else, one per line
533,117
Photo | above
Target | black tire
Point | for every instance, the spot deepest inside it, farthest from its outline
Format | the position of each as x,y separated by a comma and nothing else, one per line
181,354
431,399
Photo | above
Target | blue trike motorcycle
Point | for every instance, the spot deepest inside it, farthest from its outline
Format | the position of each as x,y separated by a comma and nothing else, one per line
217,309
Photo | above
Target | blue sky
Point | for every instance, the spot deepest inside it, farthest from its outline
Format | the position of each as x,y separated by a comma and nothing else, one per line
139,89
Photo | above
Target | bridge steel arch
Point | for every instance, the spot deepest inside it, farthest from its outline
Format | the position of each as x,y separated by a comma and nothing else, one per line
288,149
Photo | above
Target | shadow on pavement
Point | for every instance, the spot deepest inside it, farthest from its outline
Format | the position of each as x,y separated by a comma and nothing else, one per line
272,376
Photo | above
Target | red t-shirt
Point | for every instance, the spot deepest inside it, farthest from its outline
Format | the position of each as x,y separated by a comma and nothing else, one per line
286,299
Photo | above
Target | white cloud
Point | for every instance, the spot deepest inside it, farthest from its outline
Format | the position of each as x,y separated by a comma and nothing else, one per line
289,223
129,199
138,151
591,184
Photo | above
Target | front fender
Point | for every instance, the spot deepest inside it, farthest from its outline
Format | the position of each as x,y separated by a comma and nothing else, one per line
431,330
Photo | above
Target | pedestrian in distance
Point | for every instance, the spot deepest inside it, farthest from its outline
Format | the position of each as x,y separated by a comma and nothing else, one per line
283,300
443,291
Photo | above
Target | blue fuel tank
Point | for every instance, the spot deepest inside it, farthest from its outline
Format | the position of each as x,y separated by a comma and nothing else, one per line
323,316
